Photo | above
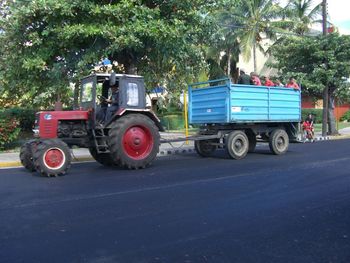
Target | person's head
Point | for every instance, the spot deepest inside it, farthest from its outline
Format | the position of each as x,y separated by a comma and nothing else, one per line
292,80
241,71
310,115
114,88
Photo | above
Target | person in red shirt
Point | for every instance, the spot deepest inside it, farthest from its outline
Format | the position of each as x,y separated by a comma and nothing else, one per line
255,79
292,84
268,82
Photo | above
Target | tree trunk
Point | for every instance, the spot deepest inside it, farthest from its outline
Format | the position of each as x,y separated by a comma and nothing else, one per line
254,58
131,68
332,129
128,60
58,103
130,64
229,63
76,95
325,112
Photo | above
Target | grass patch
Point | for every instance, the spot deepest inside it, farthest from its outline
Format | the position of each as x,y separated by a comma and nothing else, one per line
339,125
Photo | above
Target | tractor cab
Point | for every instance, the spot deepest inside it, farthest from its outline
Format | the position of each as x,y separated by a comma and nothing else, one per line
96,88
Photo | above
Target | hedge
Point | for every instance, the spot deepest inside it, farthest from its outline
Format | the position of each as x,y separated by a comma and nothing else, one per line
9,130
172,121
25,117
317,114
346,116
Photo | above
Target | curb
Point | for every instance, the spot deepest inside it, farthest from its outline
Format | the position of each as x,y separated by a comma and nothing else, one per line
175,151
325,138
10,164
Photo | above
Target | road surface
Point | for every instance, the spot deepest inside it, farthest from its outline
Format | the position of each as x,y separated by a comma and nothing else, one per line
264,208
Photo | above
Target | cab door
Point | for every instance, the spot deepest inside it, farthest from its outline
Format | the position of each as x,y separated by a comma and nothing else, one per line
88,93
132,92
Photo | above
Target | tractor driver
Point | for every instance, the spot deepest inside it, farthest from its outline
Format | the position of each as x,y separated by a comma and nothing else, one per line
113,101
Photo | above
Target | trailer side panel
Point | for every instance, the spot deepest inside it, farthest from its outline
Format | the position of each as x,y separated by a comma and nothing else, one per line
233,103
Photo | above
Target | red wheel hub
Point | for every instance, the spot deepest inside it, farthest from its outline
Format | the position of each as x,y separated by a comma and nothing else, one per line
54,158
137,142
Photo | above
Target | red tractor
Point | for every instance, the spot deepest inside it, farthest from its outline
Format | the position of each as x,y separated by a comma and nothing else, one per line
128,138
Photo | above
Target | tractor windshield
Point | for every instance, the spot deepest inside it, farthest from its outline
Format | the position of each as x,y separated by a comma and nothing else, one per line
86,94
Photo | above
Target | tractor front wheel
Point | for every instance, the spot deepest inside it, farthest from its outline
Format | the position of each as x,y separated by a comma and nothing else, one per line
134,141
26,155
52,158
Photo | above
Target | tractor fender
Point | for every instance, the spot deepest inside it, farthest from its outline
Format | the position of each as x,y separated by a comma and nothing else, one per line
149,113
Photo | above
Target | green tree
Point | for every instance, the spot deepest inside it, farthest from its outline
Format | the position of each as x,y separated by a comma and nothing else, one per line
251,21
302,15
46,44
318,63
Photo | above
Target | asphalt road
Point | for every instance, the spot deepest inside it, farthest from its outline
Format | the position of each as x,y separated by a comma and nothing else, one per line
264,208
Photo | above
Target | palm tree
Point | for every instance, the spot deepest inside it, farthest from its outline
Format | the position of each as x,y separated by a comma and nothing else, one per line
251,21
302,15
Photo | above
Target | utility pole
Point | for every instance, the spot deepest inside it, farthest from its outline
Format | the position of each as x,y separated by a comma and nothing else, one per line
325,91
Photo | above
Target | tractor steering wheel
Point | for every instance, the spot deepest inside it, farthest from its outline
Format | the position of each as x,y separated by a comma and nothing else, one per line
101,98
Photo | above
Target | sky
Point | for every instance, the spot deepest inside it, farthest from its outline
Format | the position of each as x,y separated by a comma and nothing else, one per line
338,14
338,11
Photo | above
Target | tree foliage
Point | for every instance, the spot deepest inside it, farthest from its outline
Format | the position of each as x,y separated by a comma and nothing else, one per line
317,63
251,21
302,15
46,44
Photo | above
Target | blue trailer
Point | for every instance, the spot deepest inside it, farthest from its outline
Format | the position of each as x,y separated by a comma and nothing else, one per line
234,116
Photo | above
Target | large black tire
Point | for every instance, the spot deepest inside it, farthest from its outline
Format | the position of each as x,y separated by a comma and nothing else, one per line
252,141
102,158
278,141
204,147
134,141
52,158
237,144
26,155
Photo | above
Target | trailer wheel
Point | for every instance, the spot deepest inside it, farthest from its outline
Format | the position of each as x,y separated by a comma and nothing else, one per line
102,158
237,144
204,147
26,155
134,141
52,158
279,141
252,141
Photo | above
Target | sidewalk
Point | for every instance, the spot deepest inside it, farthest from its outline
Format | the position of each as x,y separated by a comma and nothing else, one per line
343,134
82,154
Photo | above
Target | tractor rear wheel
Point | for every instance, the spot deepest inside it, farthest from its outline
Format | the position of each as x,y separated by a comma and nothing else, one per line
26,155
134,141
52,158
102,158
